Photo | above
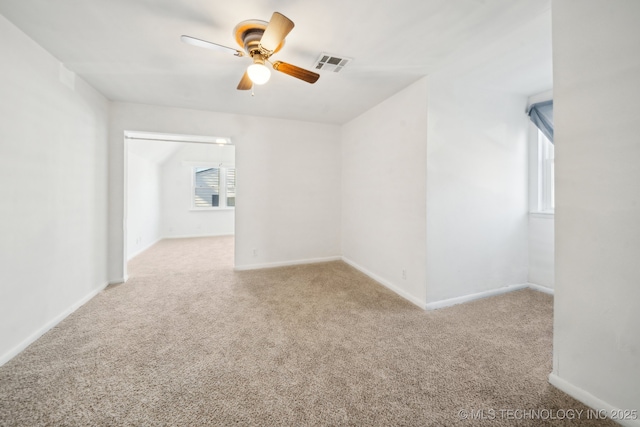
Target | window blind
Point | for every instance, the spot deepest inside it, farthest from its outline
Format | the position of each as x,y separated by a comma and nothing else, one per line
207,187
541,114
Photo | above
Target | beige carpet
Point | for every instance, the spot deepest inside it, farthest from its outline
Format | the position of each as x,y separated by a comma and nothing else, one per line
189,342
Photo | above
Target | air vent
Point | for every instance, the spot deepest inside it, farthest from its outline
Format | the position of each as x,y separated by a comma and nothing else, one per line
329,62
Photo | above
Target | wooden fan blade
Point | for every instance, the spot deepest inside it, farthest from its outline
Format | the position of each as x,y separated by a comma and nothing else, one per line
245,82
297,72
276,31
209,45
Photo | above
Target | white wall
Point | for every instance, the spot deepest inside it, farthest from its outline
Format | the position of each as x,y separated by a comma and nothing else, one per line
178,219
143,204
477,205
541,250
53,203
457,161
384,191
596,92
476,185
288,189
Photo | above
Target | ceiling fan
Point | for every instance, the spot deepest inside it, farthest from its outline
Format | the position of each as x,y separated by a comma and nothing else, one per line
259,40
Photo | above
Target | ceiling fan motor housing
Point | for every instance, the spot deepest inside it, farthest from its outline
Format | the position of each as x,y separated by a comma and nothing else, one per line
248,35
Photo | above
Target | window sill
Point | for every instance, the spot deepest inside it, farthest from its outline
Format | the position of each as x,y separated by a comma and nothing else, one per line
211,209
545,215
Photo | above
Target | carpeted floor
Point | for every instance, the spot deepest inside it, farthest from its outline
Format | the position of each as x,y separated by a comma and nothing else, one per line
189,342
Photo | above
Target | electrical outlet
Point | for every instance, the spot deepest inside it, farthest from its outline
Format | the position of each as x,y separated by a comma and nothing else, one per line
255,252
404,274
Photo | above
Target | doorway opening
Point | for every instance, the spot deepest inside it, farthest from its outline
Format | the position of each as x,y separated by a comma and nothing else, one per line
178,187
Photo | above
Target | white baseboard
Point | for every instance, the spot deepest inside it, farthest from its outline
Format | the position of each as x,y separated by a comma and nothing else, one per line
541,288
286,263
471,297
191,236
386,283
589,399
425,306
50,324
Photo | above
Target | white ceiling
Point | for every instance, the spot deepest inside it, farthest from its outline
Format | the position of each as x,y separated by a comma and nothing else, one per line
130,50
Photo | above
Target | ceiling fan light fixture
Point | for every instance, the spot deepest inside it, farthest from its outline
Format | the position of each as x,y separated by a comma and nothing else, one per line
258,73
259,40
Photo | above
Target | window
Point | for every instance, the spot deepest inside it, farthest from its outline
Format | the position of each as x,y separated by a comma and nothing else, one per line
213,187
231,187
541,154
546,196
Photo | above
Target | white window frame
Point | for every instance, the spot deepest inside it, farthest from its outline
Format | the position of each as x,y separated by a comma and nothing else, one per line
222,184
541,174
546,169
